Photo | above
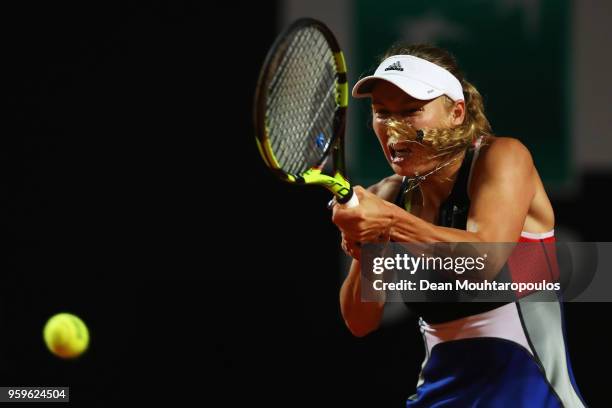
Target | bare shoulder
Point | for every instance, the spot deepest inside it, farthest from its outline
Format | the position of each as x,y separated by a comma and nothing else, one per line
503,154
502,158
387,188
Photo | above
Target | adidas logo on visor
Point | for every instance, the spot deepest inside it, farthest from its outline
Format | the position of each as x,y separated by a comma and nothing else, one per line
394,67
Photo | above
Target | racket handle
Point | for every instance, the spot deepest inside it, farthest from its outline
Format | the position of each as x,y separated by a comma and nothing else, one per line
352,202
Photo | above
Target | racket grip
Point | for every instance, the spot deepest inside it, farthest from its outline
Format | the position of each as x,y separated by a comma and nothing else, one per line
353,201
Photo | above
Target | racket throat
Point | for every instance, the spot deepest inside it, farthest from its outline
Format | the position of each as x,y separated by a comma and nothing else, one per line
337,184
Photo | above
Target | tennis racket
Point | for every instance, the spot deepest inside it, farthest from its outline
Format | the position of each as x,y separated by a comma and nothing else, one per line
300,109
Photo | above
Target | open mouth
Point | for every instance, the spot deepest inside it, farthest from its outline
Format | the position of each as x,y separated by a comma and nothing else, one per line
399,151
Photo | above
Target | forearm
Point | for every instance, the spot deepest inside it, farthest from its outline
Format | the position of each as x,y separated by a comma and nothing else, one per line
405,227
410,229
360,317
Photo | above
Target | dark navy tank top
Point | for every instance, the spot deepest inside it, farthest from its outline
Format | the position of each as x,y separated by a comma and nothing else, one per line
453,213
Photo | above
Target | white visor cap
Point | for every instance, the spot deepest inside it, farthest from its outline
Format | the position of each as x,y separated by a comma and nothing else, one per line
417,77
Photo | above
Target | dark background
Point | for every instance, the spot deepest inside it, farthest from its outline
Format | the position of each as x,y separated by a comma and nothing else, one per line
133,196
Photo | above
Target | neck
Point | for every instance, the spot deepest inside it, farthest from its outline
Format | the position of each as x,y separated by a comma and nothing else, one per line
437,186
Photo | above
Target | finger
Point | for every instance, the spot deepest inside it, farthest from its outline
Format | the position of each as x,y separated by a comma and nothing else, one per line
356,254
346,249
360,191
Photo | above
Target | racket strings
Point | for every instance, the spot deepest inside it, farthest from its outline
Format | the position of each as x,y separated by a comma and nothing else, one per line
301,102
307,155
288,136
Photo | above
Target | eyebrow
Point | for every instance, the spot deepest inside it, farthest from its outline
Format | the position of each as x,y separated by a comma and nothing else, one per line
411,103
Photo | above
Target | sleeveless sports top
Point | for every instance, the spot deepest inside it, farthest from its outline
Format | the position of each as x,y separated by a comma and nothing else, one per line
453,213
531,326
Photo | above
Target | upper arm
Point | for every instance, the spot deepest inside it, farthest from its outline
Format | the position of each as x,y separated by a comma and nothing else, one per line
502,189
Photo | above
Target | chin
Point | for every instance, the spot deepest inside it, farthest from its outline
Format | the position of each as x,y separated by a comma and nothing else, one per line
404,169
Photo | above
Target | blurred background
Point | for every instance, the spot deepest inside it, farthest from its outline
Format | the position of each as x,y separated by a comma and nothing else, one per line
134,196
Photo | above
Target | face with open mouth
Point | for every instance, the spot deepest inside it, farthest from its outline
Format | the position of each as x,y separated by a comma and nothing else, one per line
401,150
406,155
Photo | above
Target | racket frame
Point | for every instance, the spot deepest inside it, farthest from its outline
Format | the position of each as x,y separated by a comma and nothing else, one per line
336,183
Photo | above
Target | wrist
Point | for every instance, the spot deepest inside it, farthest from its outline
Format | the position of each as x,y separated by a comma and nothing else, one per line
390,221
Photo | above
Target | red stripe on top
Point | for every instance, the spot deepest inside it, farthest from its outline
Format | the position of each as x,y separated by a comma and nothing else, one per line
534,260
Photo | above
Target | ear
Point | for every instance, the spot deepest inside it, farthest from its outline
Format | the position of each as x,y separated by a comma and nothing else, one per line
458,113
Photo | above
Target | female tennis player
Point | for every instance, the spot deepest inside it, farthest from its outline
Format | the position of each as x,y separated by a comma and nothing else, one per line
455,181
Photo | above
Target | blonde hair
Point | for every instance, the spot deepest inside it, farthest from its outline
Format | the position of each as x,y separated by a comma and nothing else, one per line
448,140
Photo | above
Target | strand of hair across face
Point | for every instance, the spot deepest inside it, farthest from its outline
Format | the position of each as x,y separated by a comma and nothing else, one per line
415,181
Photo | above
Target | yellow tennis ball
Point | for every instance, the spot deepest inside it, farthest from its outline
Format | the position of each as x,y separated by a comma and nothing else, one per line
66,335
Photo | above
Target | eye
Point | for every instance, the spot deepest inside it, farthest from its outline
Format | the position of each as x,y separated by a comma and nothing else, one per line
409,112
381,113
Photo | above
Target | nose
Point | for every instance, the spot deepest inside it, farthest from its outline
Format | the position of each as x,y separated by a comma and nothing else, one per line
399,118
404,130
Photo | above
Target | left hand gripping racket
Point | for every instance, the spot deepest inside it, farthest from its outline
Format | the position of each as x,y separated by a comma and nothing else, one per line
300,108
